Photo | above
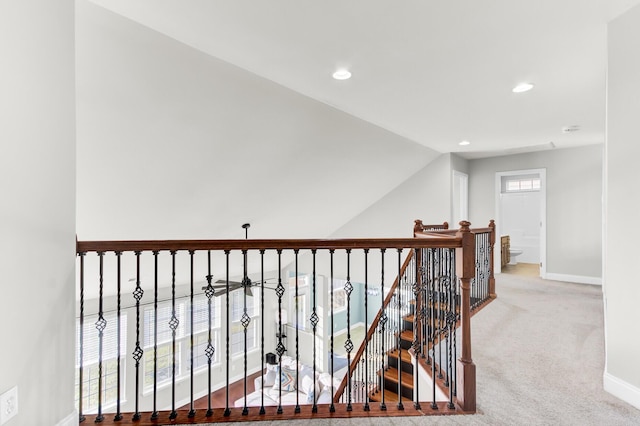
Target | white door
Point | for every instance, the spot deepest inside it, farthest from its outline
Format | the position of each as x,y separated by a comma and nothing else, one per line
521,214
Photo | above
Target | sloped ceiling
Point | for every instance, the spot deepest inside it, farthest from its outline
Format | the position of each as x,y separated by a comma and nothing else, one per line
435,72
174,143
195,116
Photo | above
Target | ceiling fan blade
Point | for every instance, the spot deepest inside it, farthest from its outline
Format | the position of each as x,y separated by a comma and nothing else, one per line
219,293
223,283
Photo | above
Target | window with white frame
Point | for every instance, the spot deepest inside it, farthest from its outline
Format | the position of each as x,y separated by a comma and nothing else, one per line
159,365
523,184
91,357
237,337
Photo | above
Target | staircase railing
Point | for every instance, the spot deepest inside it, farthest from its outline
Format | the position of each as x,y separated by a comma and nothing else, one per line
483,284
370,358
157,332
430,290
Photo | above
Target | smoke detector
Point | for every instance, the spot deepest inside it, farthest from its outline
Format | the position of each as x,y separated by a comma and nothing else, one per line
571,129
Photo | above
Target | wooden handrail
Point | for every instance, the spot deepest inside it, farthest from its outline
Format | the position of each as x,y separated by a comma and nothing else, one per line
372,328
428,233
437,241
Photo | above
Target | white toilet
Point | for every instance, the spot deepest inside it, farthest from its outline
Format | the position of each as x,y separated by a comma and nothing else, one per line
513,253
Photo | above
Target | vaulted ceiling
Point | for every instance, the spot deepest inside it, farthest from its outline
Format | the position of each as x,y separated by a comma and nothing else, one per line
196,115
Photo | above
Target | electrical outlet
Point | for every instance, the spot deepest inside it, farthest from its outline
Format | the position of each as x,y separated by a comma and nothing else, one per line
8,405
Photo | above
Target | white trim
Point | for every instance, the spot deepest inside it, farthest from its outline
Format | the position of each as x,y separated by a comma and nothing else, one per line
574,278
497,265
70,420
621,389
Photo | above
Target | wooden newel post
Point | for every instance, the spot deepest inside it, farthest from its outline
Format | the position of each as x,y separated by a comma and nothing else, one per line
465,269
492,241
417,227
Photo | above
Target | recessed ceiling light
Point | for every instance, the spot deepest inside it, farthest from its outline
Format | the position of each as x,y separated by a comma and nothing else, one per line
522,87
342,74
464,143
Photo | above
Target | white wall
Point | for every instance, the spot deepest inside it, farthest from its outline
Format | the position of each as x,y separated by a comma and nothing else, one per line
37,215
574,204
621,289
426,195
174,143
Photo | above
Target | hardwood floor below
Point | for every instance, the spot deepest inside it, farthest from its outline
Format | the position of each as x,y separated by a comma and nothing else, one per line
219,397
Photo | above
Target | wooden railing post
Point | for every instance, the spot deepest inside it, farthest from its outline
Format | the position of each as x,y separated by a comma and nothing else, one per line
417,227
492,241
465,269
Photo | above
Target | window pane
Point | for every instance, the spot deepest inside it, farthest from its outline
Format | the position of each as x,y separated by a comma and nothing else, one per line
536,183
201,315
525,185
513,185
201,341
90,338
90,384
237,304
237,337
165,364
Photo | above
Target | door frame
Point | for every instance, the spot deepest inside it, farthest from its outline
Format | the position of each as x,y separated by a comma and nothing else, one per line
497,264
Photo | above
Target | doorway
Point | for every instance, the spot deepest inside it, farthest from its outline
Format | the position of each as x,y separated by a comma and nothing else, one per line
460,198
521,214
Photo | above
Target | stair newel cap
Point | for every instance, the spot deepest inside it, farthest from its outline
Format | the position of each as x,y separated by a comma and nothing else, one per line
418,226
465,226
492,224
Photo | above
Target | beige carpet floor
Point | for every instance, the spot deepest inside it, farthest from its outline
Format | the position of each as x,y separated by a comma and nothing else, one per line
539,352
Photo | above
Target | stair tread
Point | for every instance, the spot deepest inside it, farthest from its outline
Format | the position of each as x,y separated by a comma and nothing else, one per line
407,335
389,396
391,374
404,355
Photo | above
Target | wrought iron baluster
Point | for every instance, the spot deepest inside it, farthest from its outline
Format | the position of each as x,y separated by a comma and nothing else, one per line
332,407
314,323
366,326
399,339
138,352
210,351
173,324
262,410
446,312
227,410
101,324
280,349
297,409
118,415
417,282
348,344
81,416
451,320
457,305
245,321
155,413
441,320
383,322
433,323
192,411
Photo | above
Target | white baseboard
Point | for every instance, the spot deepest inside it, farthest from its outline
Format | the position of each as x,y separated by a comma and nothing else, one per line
573,278
70,420
621,389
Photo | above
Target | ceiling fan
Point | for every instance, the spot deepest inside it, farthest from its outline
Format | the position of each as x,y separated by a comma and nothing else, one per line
246,283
